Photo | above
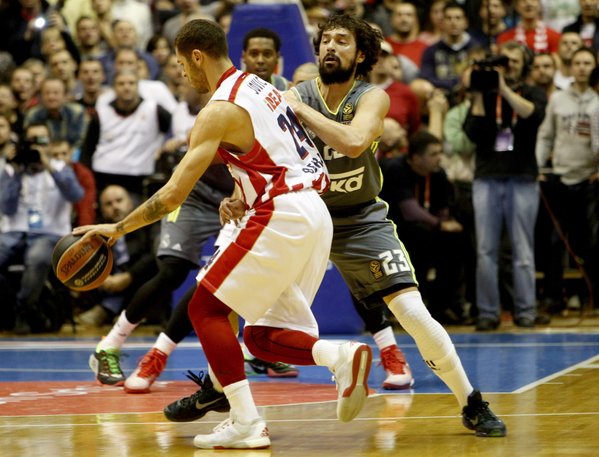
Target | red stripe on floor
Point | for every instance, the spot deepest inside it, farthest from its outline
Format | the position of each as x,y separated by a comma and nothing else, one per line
52,398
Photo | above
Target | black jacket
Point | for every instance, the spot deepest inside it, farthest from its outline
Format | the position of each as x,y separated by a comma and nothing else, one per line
482,131
576,27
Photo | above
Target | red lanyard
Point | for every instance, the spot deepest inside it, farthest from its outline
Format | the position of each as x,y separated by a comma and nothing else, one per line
499,111
427,192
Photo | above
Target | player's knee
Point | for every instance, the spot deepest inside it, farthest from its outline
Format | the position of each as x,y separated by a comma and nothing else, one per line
256,341
204,305
172,271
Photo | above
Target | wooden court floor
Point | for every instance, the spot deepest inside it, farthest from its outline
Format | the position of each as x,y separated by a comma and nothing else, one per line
544,384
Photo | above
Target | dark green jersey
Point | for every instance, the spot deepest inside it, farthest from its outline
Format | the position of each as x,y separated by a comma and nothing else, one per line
354,181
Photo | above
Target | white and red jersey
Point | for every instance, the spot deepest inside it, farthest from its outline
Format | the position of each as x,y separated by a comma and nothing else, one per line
283,158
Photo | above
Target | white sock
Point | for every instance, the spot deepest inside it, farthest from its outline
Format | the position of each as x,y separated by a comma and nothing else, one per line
384,338
165,344
242,403
118,333
247,355
325,353
433,342
215,382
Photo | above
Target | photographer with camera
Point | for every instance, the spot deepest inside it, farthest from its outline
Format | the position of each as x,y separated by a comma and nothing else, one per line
502,123
22,24
36,197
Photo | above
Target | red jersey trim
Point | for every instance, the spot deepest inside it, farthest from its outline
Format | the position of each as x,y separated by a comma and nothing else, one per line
235,88
225,75
224,265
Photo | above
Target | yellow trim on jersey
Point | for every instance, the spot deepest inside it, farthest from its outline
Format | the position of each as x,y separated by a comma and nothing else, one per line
173,215
342,101
381,180
375,145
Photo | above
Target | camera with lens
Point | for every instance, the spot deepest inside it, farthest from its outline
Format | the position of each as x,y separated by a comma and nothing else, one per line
40,22
27,152
484,76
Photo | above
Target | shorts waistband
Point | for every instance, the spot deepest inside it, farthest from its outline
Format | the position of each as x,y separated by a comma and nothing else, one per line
351,210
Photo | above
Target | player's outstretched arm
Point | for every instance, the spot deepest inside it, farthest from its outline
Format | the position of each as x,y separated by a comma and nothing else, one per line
349,139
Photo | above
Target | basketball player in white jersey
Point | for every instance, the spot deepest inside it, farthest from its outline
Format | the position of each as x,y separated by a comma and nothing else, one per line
273,264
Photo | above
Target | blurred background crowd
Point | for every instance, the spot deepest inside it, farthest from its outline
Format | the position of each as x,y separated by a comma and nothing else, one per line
490,152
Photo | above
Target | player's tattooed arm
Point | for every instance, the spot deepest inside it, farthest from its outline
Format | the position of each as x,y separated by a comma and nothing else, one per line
154,209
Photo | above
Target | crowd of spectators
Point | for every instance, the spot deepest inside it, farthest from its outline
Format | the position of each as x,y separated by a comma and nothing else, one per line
481,200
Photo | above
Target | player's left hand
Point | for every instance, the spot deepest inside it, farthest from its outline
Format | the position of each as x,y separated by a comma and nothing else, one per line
108,231
231,209
292,100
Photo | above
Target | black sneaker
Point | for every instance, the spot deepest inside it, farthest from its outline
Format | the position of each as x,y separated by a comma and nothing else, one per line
478,416
486,325
270,369
198,404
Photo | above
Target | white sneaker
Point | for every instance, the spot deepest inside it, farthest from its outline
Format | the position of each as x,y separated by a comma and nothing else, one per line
351,376
230,434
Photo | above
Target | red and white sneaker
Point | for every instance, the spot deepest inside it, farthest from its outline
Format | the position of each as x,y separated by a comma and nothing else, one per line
399,375
148,369
351,375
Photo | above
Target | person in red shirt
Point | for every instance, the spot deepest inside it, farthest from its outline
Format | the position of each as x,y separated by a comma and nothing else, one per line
404,107
531,30
404,39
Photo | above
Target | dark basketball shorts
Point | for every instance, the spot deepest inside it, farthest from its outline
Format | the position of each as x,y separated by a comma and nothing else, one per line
184,231
369,255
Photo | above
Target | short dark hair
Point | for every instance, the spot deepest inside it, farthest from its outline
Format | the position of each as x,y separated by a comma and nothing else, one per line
154,40
85,17
545,54
420,141
205,35
262,32
525,52
450,5
585,49
368,39
125,50
28,127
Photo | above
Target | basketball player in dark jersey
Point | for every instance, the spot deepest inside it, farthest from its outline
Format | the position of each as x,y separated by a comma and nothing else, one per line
344,114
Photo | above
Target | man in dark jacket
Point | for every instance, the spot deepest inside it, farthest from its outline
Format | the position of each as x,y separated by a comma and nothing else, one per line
586,24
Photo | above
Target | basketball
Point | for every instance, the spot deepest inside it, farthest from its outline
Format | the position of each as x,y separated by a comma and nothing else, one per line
81,265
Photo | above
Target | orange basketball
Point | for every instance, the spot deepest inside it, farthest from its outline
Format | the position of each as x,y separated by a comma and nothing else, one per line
82,265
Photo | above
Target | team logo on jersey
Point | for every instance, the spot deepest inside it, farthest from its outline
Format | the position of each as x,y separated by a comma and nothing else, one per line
375,269
347,182
348,112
